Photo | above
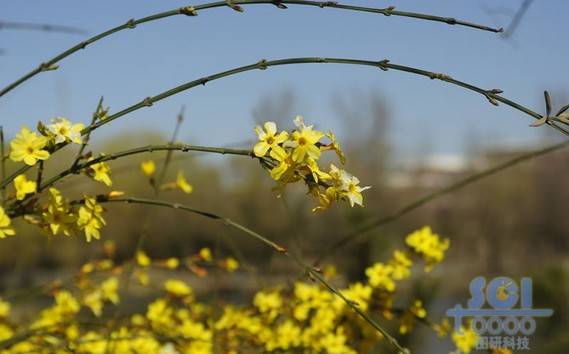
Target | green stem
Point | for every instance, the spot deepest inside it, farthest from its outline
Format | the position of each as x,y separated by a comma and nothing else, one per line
311,271
359,232
192,11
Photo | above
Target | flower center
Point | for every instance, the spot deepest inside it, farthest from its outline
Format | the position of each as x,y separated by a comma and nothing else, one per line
270,140
302,141
30,150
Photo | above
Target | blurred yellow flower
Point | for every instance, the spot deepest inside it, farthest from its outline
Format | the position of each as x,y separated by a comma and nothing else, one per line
465,339
401,264
231,264
177,288
109,290
428,244
148,168
172,263
359,294
268,302
4,308
183,184
380,276
142,259
27,146
5,229
205,254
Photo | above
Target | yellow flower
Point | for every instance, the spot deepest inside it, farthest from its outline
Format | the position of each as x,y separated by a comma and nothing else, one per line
359,294
268,302
66,304
91,218
23,186
284,170
4,308
304,141
380,276
348,185
100,172
286,336
142,259
5,229
465,339
177,288
427,244
172,263
63,130
148,168
343,185
269,140
231,264
401,264
183,184
205,254
94,302
58,214
27,146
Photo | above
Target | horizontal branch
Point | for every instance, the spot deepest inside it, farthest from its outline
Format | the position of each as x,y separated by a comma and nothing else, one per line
492,95
140,150
44,27
361,231
193,11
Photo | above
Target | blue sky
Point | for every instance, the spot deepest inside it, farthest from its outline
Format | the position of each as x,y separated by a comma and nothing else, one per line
131,65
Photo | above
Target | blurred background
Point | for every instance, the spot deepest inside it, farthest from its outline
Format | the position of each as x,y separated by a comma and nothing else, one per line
404,135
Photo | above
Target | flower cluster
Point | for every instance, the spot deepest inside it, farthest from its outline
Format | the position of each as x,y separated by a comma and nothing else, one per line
305,318
30,147
429,245
293,157
383,278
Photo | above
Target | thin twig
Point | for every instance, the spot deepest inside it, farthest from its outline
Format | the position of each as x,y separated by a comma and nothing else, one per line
492,95
179,121
361,231
517,19
193,11
310,270
39,176
44,27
